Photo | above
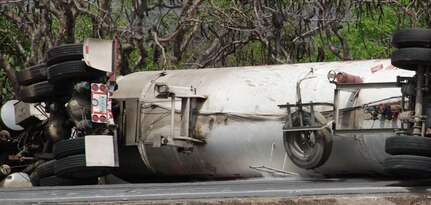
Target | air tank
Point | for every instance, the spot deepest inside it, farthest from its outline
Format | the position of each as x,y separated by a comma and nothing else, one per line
234,126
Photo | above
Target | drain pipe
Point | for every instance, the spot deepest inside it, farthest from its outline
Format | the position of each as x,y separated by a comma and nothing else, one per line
417,129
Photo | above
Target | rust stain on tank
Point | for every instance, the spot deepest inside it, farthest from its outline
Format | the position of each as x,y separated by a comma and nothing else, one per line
197,133
211,168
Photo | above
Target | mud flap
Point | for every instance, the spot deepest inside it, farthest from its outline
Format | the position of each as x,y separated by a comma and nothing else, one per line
101,54
101,151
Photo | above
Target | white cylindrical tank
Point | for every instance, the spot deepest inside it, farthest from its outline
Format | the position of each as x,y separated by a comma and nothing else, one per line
241,122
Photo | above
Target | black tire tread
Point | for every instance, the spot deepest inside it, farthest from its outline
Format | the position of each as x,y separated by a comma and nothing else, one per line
75,167
64,53
412,38
410,166
408,145
72,70
322,151
38,92
69,147
411,58
56,181
32,74
34,180
45,169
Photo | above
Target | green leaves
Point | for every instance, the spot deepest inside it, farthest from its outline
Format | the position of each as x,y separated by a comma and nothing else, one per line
369,32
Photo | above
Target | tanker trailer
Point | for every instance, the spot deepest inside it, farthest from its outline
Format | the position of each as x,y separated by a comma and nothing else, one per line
232,122
299,119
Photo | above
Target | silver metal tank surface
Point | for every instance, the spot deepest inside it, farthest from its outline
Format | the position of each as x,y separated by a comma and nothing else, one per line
242,124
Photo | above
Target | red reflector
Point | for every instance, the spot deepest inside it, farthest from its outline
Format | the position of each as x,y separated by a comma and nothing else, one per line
102,87
95,118
94,87
102,119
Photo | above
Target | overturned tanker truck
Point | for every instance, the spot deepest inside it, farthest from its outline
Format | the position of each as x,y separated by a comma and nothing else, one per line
76,121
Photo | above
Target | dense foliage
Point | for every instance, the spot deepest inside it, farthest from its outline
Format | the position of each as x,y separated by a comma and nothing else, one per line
174,34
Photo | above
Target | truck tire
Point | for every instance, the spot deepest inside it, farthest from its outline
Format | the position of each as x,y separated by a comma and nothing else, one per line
411,58
38,92
72,71
74,167
408,145
31,75
64,53
412,38
44,170
56,181
408,166
308,155
69,147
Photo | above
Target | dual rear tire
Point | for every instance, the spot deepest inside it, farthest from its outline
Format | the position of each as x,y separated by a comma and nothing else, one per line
41,83
53,83
414,48
71,161
69,166
410,155
45,175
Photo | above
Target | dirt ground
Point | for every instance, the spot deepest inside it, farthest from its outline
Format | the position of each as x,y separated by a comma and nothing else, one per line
375,199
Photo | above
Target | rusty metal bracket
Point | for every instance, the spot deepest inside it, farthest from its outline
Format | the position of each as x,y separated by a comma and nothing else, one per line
300,107
353,87
308,128
180,142
189,99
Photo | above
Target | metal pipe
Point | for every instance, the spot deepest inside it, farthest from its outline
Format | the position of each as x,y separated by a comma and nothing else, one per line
172,115
284,161
299,97
299,101
313,121
272,153
336,107
403,101
185,117
289,115
417,129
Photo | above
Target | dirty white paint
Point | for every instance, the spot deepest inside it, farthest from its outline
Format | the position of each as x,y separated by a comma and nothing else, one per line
241,121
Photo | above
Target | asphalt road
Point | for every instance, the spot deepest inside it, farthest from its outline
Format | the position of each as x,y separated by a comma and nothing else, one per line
275,188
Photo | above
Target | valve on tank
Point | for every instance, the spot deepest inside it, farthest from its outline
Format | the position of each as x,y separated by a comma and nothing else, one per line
385,111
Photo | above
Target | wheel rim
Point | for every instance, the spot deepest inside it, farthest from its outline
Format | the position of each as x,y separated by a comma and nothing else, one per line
303,144
308,149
